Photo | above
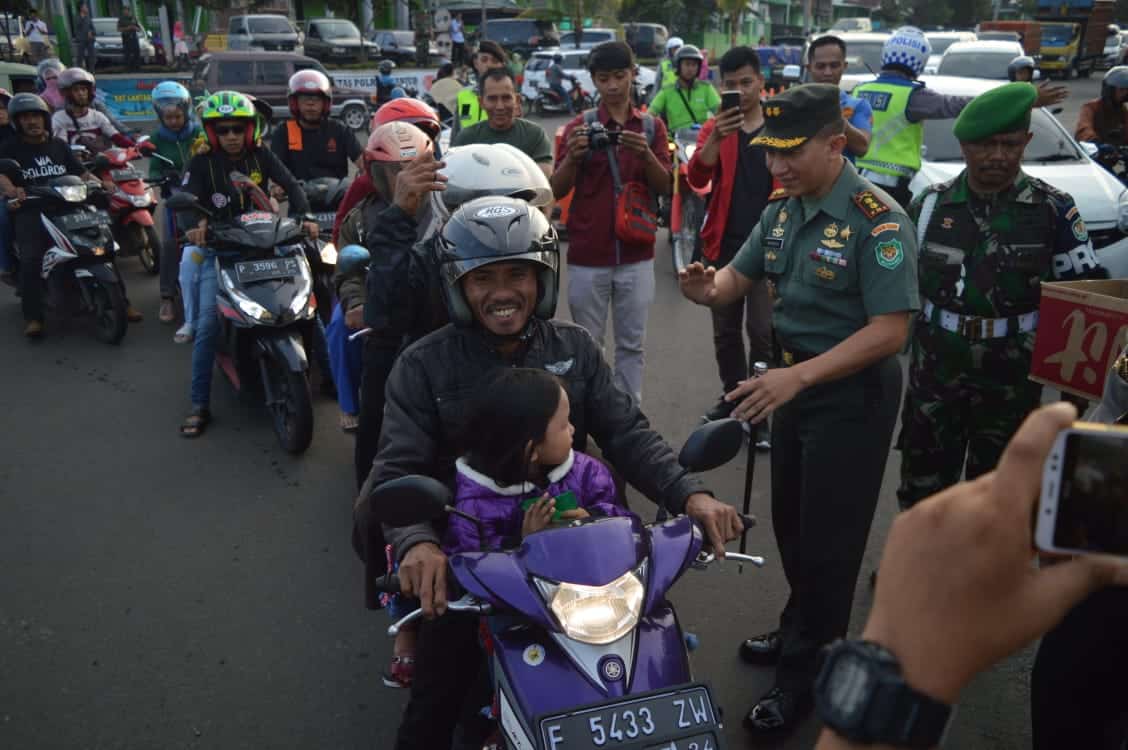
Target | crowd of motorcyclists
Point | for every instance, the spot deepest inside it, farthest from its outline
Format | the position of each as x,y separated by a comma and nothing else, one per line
417,240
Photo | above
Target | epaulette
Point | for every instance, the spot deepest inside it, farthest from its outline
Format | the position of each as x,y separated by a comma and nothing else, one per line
870,204
777,194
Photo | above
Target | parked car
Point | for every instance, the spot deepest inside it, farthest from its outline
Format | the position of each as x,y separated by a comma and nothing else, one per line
17,77
646,39
522,35
266,75
1053,156
107,43
940,41
998,36
398,45
588,39
864,25
979,59
267,32
863,57
337,39
575,63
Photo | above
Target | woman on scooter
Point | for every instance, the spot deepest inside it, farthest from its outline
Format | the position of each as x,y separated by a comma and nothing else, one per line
231,124
519,465
173,139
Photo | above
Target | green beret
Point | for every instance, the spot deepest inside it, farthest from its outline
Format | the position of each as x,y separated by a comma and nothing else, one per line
797,114
1003,109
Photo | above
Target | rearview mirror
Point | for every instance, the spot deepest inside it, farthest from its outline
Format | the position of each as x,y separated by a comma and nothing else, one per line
1091,150
1037,75
409,500
712,445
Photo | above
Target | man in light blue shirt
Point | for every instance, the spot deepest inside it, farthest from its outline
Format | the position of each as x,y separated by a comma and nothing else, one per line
826,62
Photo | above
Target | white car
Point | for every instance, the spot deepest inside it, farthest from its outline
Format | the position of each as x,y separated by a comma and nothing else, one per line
1053,157
979,59
940,41
863,57
590,38
575,63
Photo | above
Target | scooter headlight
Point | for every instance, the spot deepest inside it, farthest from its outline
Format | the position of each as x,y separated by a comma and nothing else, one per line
248,306
72,193
141,200
301,303
597,614
329,254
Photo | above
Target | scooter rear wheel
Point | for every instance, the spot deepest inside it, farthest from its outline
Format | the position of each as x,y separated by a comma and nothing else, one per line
149,250
109,313
293,408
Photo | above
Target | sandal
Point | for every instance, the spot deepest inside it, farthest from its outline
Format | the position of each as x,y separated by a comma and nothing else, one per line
166,315
349,423
195,423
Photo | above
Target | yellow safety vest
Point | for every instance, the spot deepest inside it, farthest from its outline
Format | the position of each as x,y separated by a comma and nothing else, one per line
895,143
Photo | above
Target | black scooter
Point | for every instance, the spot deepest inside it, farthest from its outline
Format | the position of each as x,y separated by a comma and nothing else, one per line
78,270
266,308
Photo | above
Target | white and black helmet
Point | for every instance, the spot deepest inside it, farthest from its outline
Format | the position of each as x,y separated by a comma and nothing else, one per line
908,48
1019,63
496,229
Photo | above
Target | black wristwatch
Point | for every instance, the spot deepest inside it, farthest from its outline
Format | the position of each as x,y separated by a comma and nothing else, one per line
861,695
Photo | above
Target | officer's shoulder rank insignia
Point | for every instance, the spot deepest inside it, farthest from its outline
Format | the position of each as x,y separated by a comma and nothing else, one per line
778,193
871,206
889,253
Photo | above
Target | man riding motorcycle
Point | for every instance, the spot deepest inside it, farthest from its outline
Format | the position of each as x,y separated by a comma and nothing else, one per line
1021,68
668,69
313,145
231,123
499,263
555,77
1105,120
690,101
79,123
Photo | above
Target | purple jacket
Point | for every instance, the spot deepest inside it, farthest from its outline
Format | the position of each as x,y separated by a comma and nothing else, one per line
499,508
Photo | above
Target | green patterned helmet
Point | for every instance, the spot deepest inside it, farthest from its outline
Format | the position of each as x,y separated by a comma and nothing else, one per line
228,105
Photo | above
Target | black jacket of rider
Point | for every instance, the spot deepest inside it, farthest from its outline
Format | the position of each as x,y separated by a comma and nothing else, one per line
208,179
428,395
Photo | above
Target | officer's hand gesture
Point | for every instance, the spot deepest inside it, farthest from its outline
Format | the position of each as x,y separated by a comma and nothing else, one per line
696,282
760,396
1050,93
420,177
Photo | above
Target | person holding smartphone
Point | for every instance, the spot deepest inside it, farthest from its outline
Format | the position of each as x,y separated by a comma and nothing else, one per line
739,172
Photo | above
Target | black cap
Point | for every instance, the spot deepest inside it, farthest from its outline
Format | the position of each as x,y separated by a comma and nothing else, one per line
797,114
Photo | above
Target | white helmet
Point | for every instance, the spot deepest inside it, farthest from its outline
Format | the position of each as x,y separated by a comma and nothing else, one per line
477,170
673,43
907,48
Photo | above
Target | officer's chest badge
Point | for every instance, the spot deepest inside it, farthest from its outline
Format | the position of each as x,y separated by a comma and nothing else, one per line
831,230
778,231
845,233
781,217
948,223
770,256
825,273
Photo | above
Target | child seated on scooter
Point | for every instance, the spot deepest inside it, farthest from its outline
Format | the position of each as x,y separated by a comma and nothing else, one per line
519,465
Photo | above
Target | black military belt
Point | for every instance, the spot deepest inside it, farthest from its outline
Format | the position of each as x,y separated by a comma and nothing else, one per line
976,328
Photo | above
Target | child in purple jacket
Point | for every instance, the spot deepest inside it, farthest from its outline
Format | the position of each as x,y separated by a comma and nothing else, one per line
519,447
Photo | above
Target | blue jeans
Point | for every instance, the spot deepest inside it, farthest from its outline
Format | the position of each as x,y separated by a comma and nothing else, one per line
207,328
190,281
5,237
346,359
565,95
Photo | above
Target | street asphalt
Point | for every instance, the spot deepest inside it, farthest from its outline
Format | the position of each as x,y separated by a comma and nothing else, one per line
162,593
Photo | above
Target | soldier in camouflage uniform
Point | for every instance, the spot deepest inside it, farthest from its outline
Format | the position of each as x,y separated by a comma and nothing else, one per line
988,239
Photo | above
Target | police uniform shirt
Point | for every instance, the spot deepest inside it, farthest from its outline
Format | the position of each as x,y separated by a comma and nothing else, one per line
835,261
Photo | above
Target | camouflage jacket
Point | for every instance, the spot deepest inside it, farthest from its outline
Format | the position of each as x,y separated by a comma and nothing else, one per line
987,256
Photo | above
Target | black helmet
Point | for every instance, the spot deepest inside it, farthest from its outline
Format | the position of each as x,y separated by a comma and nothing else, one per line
25,102
1017,64
1115,78
688,52
558,58
497,230
386,66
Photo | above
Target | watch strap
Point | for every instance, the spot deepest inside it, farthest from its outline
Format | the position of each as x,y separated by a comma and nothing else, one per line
901,716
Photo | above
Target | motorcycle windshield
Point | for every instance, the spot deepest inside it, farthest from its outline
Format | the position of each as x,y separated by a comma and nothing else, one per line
591,554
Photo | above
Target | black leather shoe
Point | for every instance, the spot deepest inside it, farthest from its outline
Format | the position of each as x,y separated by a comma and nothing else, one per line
762,649
780,710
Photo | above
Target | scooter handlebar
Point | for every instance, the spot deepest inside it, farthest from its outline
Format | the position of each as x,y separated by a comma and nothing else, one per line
467,605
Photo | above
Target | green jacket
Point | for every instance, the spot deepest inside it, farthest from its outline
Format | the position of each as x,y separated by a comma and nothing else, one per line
180,152
670,104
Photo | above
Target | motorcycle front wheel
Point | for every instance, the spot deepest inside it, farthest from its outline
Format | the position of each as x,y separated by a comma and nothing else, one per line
683,243
292,409
109,313
149,250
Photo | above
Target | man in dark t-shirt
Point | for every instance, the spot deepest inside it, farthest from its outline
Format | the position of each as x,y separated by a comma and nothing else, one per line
312,145
498,93
742,186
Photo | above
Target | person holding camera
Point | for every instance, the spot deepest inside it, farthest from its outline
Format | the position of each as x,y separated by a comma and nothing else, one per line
617,161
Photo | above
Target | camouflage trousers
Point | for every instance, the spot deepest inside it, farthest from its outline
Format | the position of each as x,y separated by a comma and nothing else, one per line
965,401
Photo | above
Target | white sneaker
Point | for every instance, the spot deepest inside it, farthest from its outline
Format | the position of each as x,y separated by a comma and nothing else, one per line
184,334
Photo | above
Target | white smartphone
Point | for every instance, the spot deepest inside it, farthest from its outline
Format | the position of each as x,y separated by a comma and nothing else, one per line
1084,505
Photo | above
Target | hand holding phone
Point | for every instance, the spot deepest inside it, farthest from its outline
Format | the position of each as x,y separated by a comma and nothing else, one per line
729,99
1084,503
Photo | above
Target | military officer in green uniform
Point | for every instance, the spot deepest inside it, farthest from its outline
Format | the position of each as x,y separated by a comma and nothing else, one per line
988,239
841,256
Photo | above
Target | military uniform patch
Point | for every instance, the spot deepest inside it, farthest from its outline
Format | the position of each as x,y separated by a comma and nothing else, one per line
825,273
1071,213
776,194
890,253
947,223
830,230
870,205
1079,231
890,226
846,233
833,243
777,232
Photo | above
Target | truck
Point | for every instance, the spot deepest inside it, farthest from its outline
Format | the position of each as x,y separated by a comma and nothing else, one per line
1073,35
1027,33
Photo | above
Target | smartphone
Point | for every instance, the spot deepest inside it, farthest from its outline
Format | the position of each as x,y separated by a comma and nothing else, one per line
564,501
729,99
1084,505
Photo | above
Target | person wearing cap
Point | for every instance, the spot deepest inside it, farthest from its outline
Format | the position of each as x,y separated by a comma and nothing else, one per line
469,112
901,104
690,101
841,256
989,237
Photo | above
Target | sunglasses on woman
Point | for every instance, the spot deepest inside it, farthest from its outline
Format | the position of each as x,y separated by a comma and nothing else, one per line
231,130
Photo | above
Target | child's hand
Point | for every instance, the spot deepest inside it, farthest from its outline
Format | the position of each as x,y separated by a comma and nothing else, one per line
573,514
539,515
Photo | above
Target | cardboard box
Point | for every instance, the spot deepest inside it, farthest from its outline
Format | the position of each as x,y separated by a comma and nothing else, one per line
1082,329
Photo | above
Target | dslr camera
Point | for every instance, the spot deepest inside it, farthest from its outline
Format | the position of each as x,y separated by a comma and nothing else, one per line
600,138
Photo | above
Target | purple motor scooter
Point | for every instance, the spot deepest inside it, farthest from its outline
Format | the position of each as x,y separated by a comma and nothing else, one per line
586,651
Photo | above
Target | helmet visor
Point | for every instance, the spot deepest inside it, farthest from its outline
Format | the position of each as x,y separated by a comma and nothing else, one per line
454,270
